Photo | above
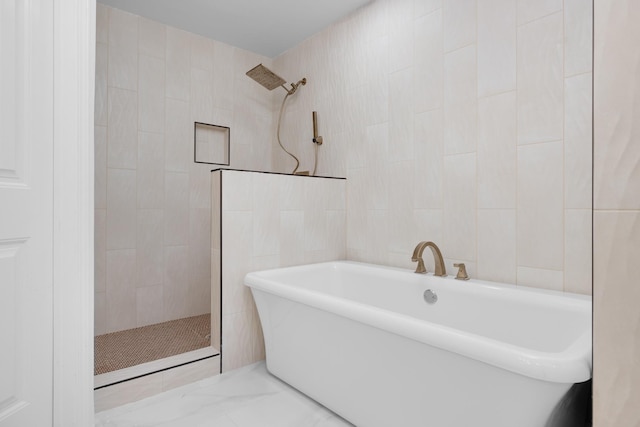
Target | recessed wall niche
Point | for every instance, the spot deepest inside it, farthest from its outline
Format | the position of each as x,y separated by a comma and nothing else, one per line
211,143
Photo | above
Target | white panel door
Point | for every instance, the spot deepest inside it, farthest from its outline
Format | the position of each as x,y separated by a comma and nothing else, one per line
26,224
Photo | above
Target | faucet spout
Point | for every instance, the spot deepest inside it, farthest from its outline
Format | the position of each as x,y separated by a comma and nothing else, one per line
437,256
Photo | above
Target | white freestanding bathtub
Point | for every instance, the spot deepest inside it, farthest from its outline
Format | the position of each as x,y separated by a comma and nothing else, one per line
363,341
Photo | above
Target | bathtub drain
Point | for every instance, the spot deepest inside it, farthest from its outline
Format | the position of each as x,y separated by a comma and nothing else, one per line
430,297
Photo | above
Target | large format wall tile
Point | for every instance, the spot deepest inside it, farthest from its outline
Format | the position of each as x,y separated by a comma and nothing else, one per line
540,206
497,155
578,142
121,212
496,46
460,101
122,129
459,23
540,80
616,159
487,77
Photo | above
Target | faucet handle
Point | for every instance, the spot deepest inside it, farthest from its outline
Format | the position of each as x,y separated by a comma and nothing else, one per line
462,271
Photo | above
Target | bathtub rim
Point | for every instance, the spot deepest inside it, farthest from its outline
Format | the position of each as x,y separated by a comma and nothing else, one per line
572,365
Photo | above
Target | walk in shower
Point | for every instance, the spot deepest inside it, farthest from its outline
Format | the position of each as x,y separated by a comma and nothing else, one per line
152,204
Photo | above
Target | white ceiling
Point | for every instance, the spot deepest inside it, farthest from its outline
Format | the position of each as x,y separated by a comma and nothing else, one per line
267,27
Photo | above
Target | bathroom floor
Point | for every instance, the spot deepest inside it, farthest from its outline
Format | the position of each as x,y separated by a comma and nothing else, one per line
247,397
123,349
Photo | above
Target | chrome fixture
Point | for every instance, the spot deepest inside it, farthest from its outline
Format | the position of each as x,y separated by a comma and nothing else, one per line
462,271
270,81
437,256
430,297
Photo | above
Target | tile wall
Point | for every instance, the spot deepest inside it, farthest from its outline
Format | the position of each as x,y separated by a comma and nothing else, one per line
616,213
463,122
152,202
268,221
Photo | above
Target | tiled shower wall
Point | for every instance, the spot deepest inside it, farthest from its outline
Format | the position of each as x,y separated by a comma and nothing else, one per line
267,221
616,371
463,122
152,202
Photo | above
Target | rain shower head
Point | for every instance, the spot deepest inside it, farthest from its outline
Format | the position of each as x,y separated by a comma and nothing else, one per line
265,77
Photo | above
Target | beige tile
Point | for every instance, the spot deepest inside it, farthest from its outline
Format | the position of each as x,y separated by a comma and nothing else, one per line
497,151
459,23
428,78
531,10
291,238
577,251
459,225
422,7
201,96
376,172
200,186
237,253
151,113
200,256
151,38
497,245
578,36
460,101
149,305
127,392
178,64
150,247
178,136
176,285
123,29
223,75
237,186
100,247
496,46
540,206
616,131
266,215
100,313
401,115
100,167
429,149
616,317
578,142
202,52
122,131
190,373
540,80
401,39
176,208
102,23
540,278
123,67
101,101
336,234
120,304
243,341
401,189
121,212
150,170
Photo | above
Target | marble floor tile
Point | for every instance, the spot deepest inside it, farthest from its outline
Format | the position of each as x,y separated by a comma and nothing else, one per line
246,397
